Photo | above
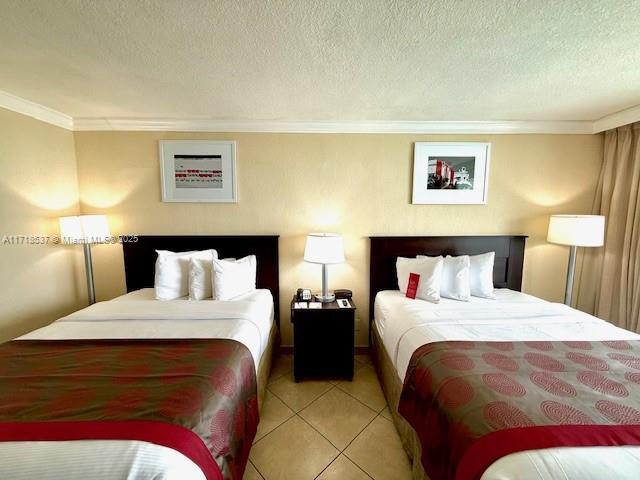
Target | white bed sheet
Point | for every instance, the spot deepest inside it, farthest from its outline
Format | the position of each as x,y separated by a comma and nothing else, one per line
405,324
94,460
247,319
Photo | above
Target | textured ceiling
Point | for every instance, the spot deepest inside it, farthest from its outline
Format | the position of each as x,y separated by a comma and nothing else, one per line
324,59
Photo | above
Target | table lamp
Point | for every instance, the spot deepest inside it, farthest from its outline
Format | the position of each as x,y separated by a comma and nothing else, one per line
575,231
324,248
85,230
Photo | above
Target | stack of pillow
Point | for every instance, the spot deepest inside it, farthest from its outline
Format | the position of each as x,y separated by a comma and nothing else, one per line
458,278
201,275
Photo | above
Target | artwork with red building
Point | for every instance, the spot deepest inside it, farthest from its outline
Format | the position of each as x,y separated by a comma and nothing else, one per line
450,173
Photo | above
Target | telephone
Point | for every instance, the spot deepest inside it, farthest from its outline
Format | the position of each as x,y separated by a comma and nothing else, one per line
303,295
343,293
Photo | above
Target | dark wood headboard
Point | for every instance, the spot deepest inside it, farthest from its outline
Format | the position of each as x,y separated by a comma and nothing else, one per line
140,257
507,269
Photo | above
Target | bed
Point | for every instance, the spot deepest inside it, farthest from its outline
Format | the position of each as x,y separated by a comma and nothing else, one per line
138,388
512,333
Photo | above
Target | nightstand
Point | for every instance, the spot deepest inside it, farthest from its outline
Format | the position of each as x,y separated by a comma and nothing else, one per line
323,341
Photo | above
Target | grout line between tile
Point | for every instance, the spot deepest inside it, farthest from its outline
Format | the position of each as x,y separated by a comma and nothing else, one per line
349,460
266,435
359,467
354,439
256,468
358,434
276,395
297,414
306,406
279,425
352,396
333,386
274,428
319,432
340,451
278,377
322,471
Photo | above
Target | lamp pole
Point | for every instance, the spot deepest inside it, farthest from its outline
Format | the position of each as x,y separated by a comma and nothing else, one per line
325,281
571,270
88,268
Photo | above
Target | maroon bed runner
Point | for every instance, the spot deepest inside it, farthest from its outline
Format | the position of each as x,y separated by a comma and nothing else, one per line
472,403
198,397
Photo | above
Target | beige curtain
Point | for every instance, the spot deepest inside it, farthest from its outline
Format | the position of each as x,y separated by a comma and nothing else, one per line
611,275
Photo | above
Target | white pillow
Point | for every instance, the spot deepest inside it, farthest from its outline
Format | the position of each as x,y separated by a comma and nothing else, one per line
200,285
455,278
430,271
232,278
172,272
481,275
201,278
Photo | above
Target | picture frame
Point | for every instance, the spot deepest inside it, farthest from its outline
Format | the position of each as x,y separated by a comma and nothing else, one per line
450,173
198,171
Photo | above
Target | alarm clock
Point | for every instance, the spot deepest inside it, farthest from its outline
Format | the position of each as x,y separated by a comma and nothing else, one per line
303,295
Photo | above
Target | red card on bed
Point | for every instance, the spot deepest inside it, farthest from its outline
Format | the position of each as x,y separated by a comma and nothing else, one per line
412,288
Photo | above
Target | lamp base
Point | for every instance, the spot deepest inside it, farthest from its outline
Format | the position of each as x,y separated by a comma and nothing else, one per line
328,298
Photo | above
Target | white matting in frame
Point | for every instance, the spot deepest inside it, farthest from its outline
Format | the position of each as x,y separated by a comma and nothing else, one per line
198,171
450,173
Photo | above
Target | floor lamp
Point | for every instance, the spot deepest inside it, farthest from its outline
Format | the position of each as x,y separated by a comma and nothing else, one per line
85,230
575,231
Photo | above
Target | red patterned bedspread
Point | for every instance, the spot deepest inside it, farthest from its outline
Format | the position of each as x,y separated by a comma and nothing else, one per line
472,403
196,396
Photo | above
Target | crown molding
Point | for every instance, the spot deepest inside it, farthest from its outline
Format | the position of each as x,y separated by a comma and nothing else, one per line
35,110
267,126
623,117
48,115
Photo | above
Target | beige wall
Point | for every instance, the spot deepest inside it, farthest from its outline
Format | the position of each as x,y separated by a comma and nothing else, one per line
37,185
356,185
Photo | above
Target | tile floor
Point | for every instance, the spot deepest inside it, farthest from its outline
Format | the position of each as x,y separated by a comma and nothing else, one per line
326,430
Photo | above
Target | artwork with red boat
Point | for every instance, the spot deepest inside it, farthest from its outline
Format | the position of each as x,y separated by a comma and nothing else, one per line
198,171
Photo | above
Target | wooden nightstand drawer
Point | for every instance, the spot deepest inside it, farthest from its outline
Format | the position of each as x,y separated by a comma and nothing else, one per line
323,341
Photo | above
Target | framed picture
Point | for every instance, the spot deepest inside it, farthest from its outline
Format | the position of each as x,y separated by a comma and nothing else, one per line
198,171
450,173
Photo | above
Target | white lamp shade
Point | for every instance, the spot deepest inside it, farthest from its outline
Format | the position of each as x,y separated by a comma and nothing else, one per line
70,229
576,230
84,229
324,248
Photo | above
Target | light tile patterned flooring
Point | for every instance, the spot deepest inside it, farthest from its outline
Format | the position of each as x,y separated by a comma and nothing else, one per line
326,430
